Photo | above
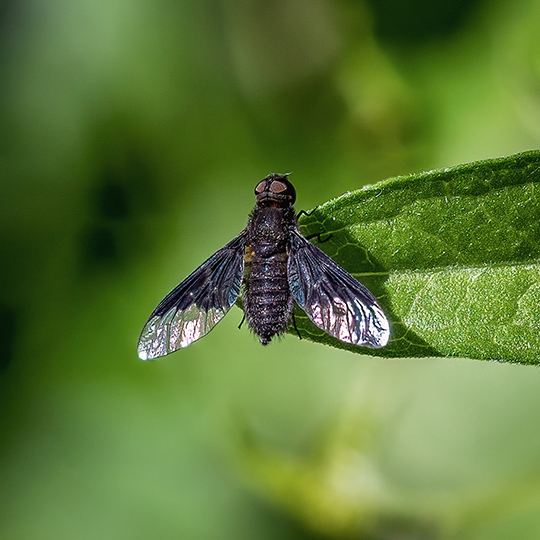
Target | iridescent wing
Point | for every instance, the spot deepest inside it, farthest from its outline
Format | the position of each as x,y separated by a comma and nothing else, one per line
332,299
193,308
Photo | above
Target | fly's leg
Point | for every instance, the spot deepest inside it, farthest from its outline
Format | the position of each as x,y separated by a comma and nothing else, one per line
242,321
304,213
295,327
318,237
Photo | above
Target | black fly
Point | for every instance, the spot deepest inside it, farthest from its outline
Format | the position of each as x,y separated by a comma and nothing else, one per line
274,266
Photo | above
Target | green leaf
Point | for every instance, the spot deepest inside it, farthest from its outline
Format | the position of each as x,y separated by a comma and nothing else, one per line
453,256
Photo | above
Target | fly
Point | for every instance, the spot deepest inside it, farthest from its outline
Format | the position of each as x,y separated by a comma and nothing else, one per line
272,266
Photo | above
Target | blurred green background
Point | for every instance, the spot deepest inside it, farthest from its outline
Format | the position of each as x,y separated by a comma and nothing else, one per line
132,135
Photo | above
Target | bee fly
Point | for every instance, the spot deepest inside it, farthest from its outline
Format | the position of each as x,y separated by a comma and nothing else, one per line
274,266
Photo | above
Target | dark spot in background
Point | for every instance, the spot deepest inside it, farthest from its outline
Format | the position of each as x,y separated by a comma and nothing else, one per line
111,199
8,330
99,246
124,189
6,7
417,21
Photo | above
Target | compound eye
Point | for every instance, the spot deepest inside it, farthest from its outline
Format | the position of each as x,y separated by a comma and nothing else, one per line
278,187
260,187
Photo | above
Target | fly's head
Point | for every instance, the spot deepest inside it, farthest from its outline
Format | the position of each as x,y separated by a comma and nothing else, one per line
275,190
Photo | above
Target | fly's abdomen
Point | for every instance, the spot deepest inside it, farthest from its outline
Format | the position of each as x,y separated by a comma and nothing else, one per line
267,300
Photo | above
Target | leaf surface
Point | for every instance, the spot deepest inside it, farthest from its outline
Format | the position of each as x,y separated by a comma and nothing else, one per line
452,254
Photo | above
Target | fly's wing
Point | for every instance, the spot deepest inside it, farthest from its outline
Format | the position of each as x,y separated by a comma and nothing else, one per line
334,300
193,308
